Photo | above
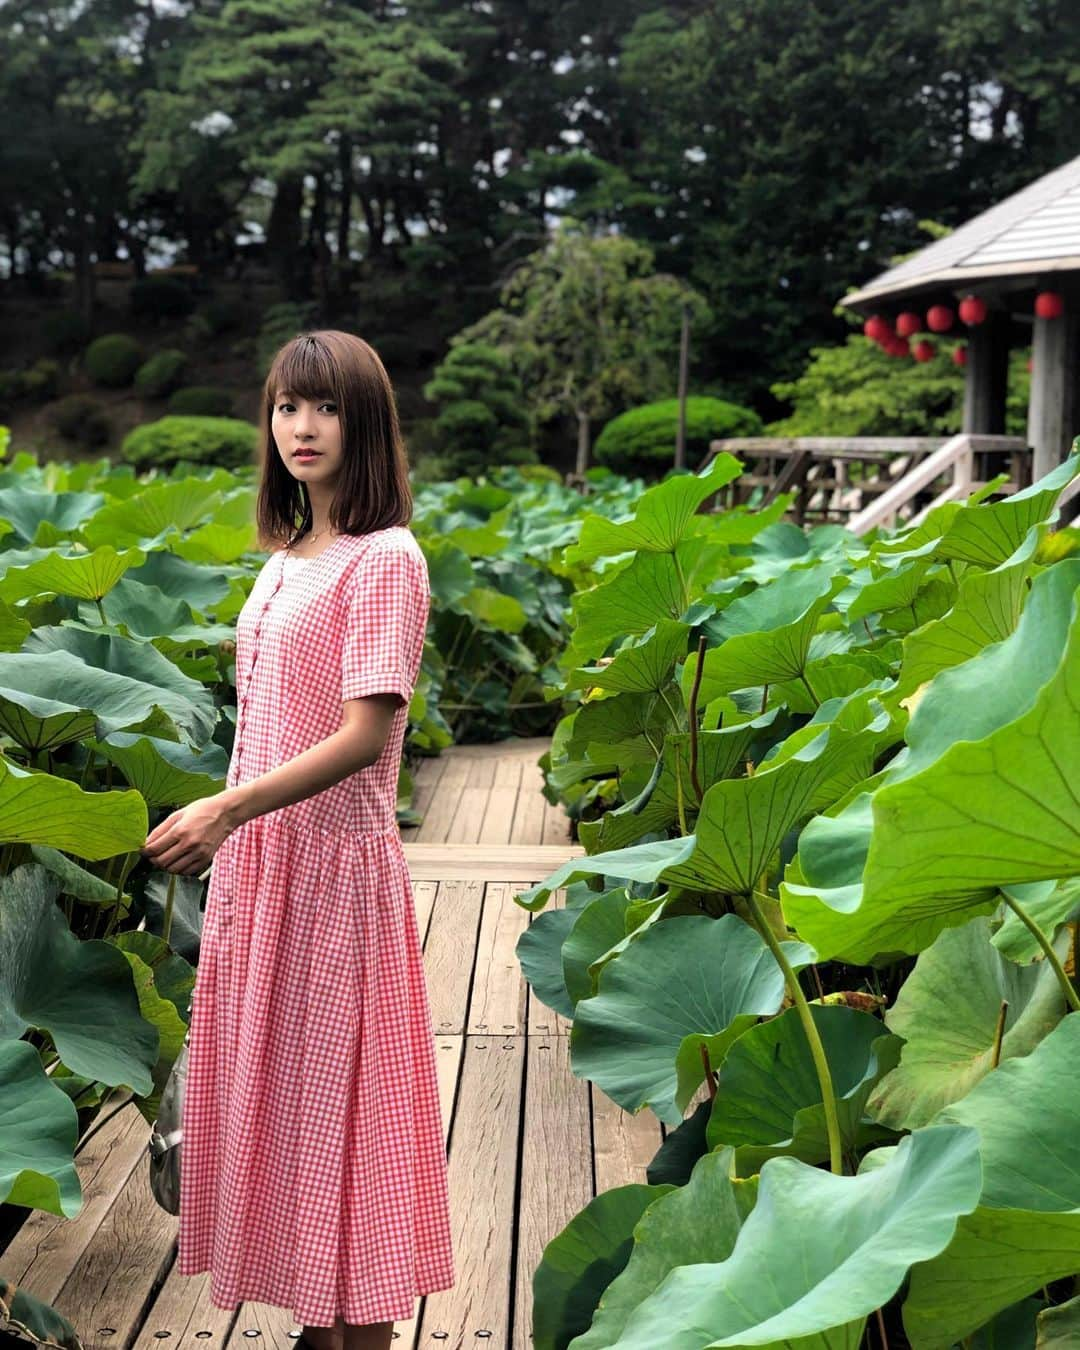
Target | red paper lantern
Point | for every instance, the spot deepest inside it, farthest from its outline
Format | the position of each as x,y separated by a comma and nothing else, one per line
959,356
876,328
1031,365
908,323
899,346
972,310
923,351
1049,305
939,318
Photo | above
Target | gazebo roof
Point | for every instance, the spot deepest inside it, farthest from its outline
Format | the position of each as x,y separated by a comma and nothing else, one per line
1036,230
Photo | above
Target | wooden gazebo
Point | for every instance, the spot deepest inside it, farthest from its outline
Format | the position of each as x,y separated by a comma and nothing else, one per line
1026,245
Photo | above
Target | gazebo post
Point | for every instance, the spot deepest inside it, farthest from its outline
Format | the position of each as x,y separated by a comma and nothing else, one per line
1051,422
987,376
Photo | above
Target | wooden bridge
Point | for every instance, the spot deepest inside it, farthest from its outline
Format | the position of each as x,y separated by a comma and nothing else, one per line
528,1143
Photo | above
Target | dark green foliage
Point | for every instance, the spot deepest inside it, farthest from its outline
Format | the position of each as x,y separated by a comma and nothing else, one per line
161,298
222,315
161,374
856,390
113,360
482,418
39,382
280,323
200,440
65,332
643,439
81,418
201,400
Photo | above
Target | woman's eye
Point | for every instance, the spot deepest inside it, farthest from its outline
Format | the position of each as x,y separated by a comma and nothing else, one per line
331,406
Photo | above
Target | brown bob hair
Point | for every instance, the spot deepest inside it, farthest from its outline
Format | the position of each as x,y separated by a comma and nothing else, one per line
373,492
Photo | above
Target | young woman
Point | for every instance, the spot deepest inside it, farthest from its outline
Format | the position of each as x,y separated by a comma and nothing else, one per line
314,1169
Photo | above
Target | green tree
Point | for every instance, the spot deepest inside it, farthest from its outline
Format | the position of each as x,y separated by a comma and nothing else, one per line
482,409
590,328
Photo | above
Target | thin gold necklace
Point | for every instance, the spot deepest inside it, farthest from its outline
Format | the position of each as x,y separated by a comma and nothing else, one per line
312,537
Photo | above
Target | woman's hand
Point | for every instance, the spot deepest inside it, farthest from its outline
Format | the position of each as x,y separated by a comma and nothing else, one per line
187,840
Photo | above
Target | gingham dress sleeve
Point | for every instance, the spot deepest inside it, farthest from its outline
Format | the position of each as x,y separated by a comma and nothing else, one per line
387,601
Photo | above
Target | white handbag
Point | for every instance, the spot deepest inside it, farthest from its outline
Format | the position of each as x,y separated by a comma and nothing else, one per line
166,1134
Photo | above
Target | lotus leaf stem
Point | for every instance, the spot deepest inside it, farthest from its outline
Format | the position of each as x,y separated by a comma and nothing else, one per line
999,1034
692,725
1071,996
817,1050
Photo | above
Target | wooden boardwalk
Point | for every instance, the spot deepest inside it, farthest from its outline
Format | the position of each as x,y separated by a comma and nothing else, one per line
528,1143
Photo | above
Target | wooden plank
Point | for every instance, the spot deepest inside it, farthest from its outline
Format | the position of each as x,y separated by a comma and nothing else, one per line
47,1248
182,1315
497,826
484,1143
424,893
449,952
624,1144
497,1004
486,862
528,827
473,800
556,1164
448,1054
129,1255
557,824
439,817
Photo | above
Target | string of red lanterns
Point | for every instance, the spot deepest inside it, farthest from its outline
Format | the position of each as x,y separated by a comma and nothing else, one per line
973,310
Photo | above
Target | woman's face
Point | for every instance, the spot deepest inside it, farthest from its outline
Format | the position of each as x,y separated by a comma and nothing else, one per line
311,424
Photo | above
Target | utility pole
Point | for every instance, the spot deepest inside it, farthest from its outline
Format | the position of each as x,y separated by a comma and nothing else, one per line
684,349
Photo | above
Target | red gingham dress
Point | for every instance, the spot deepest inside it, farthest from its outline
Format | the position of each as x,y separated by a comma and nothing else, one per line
313,1167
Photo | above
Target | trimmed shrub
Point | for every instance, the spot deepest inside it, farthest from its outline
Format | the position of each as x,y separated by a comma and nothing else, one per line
223,315
642,440
161,298
200,440
65,332
41,381
161,374
81,418
201,400
482,417
113,360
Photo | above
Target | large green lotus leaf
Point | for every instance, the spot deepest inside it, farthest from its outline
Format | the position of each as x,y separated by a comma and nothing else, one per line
186,916
42,723
651,587
39,1129
976,800
626,727
495,609
948,1011
642,862
157,1009
29,1316
38,808
81,993
539,948
742,820
836,675
159,510
721,754
84,885
1026,1231
898,588
986,611
768,1098
217,542
122,680
997,1257
164,772
1049,904
597,928
146,611
203,587
579,1263
818,1253
173,977
685,981
25,508
764,637
88,576
661,519
696,1222
1002,810
783,545
643,666
991,532
1059,1328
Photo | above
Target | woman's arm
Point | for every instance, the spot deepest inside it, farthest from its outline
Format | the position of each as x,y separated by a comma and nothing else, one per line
187,840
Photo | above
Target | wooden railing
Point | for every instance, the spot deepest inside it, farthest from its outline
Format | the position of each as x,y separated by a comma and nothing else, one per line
864,481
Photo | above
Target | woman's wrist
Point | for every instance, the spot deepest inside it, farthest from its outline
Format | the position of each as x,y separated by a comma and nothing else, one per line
235,806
